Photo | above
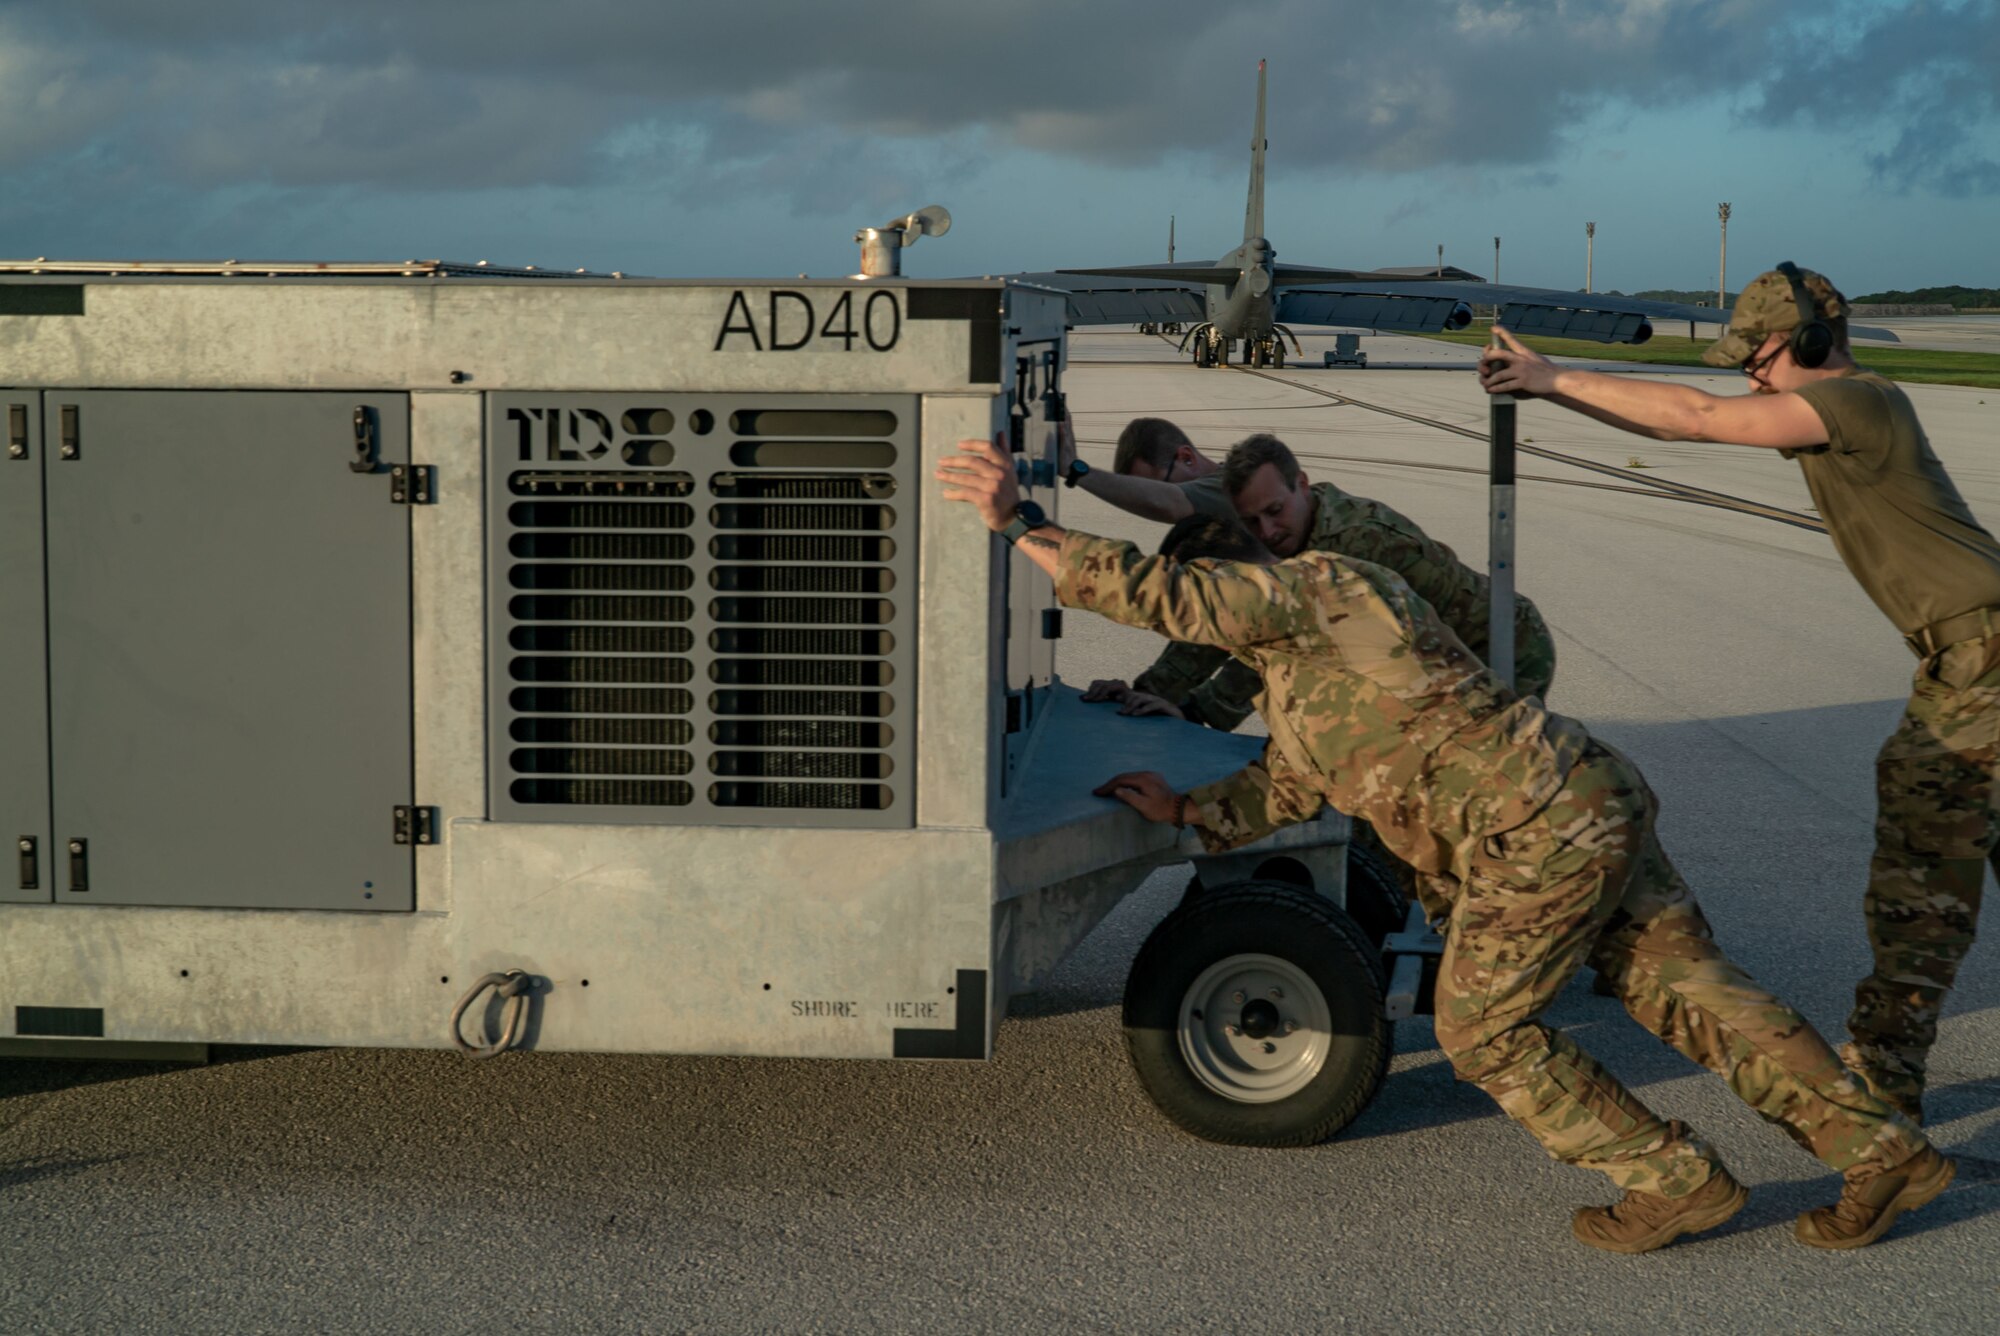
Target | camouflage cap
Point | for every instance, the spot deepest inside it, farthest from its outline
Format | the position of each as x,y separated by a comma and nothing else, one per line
1766,306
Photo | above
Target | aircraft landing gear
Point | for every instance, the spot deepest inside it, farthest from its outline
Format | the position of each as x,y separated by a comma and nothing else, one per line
1265,352
1208,346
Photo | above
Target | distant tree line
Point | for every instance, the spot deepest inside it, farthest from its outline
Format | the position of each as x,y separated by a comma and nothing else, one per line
1957,297
1684,297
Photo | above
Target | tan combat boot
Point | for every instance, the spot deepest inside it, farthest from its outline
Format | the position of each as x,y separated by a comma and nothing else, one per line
1910,1106
1642,1221
1873,1198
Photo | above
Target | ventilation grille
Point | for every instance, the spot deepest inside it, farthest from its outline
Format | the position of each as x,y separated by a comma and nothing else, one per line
704,609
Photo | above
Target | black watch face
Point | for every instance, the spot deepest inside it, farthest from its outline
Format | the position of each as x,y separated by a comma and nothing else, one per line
1031,514
1077,469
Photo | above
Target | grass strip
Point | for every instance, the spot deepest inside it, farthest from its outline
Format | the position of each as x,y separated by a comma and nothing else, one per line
1922,366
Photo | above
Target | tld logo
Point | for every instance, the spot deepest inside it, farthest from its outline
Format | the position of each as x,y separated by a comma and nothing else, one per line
565,435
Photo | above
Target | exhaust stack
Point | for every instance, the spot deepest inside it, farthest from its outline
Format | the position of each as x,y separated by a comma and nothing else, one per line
882,247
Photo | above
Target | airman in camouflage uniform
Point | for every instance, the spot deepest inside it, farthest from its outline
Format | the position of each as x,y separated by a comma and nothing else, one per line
1898,522
1547,837
1215,689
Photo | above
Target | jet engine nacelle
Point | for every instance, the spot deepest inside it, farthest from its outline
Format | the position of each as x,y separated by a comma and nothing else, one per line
1460,317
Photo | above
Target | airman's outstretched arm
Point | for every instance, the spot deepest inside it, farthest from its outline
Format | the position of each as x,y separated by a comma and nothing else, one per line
1649,407
1148,498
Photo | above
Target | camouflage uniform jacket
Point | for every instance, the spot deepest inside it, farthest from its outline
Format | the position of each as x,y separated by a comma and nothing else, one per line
1374,706
1357,527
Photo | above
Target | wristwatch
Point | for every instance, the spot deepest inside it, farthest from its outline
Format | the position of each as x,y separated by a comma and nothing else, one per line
1075,473
1027,516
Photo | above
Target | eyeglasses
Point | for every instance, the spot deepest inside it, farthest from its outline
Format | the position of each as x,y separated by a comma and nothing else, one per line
1754,365
1172,460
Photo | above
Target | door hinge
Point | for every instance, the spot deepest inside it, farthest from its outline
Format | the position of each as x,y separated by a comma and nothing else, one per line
416,825
17,431
79,865
412,484
31,863
365,440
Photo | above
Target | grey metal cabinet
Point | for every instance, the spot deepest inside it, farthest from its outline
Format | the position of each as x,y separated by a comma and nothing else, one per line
24,739
230,708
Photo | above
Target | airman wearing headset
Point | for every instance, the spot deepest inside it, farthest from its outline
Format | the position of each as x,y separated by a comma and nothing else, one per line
1899,523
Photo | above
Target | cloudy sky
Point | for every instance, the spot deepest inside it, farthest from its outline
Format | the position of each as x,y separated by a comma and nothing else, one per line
751,138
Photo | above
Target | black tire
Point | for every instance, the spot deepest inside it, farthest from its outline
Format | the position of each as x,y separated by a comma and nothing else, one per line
1305,937
1376,900
1278,355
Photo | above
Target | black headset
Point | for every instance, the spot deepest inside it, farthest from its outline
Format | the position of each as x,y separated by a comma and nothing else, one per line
1812,341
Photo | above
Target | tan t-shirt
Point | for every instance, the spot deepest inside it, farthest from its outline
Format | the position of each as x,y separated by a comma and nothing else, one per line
1209,497
1895,516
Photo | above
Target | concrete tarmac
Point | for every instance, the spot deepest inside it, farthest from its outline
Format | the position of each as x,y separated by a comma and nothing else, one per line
1730,655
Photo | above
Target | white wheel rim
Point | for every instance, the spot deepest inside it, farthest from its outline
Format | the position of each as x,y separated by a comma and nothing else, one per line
1255,1029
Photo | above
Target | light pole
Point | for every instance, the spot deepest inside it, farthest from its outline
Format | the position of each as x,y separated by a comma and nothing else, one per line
1496,260
1722,266
1589,252
1440,259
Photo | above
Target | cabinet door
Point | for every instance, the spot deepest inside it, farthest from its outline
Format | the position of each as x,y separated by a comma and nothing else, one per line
229,649
24,693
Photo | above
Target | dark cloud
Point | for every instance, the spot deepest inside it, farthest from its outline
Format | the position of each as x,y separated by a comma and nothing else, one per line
812,101
1925,76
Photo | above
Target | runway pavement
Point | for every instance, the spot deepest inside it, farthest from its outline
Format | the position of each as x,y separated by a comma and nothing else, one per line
1731,655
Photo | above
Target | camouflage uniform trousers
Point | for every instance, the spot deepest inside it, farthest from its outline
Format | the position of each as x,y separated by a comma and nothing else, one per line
1935,831
1587,880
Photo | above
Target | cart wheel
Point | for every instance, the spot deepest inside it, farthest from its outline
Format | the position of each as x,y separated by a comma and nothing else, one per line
1254,1016
1376,900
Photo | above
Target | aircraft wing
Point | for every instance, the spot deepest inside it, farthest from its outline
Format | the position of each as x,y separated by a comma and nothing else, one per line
1095,299
1547,311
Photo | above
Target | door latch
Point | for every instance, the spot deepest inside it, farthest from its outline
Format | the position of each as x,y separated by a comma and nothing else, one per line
17,431
31,863
366,441
70,448
79,865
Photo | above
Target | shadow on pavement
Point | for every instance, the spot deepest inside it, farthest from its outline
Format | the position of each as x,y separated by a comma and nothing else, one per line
41,1076
21,1172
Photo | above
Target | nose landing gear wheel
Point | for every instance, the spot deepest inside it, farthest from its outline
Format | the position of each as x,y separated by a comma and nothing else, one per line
1254,1016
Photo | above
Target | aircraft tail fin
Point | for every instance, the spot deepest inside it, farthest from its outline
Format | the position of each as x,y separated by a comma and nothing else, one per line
1253,213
